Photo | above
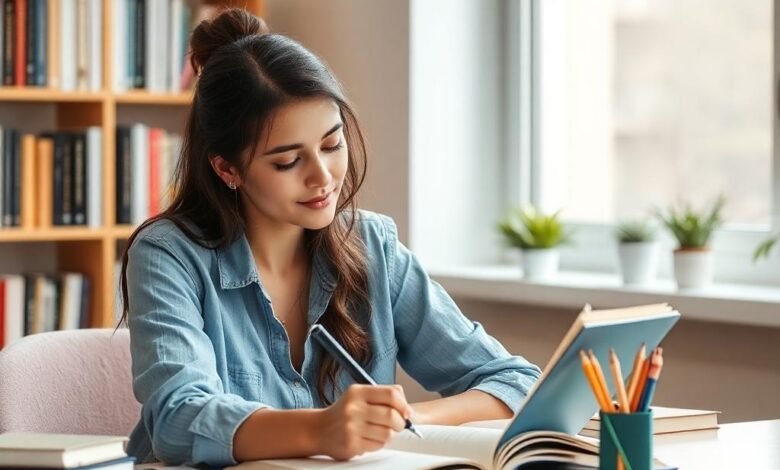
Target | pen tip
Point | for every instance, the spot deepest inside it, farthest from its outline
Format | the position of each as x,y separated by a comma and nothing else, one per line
416,432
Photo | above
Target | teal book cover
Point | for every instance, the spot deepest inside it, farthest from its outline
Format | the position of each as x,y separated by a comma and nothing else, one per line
562,400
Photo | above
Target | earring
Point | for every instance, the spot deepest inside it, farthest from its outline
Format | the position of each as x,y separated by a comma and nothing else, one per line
232,185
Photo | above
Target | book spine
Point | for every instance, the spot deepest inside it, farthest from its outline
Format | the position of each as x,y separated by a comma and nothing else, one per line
28,189
86,290
155,164
30,37
95,45
82,47
2,174
29,303
67,181
94,180
8,175
17,175
140,43
9,46
45,160
2,313
52,37
21,43
41,34
67,45
79,179
58,179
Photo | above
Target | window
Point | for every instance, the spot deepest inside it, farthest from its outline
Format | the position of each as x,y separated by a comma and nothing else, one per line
631,105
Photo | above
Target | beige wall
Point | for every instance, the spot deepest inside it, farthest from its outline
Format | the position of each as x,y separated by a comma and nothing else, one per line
734,369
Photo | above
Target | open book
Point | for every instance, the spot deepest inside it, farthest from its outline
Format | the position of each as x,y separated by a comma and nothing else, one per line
544,428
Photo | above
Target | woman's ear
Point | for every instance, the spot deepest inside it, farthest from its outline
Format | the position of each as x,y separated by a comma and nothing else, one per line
227,172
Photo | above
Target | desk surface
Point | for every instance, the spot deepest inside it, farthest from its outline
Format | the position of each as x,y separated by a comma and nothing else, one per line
752,445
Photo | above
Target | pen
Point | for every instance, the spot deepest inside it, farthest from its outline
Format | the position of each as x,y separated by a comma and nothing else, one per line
329,343
656,363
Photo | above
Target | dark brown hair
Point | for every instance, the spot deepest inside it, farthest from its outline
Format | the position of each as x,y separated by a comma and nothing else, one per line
245,74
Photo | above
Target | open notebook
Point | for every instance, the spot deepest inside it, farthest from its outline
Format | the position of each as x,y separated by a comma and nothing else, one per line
544,428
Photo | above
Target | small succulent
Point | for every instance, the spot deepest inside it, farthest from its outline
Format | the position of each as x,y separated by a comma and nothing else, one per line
693,229
635,232
527,228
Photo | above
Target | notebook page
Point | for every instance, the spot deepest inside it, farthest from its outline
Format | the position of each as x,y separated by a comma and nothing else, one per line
477,444
380,460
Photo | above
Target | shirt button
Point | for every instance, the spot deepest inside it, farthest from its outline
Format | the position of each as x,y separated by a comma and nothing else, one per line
298,383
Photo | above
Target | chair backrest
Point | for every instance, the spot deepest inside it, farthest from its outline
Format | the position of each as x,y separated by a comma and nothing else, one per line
72,381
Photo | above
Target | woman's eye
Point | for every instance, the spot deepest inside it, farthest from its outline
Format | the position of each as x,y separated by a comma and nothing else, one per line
334,148
286,166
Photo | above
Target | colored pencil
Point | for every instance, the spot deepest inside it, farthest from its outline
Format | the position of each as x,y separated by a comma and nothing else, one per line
601,380
634,376
590,374
656,364
617,376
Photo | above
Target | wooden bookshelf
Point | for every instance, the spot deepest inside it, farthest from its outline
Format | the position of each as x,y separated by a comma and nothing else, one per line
93,251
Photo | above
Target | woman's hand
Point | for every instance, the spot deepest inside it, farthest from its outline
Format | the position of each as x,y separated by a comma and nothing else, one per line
363,419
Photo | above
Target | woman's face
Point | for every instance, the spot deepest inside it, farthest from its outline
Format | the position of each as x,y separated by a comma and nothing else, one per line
295,178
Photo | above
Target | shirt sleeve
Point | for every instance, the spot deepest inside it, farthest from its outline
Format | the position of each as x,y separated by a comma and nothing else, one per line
185,411
438,346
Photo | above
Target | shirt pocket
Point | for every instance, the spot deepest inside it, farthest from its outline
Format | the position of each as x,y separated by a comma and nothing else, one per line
246,384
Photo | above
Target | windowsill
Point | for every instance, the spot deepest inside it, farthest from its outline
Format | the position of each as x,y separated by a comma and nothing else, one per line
728,303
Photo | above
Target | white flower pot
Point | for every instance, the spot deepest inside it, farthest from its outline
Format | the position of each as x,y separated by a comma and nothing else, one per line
694,268
539,264
638,262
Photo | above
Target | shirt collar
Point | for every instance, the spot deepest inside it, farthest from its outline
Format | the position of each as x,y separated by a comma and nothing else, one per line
237,268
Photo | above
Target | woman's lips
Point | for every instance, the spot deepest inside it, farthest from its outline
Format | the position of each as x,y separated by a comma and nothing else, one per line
317,203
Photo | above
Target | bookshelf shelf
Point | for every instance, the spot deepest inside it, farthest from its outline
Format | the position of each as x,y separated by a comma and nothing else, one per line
92,251
51,235
122,232
142,97
48,95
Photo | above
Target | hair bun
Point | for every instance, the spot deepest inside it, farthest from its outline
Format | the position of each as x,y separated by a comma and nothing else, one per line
227,27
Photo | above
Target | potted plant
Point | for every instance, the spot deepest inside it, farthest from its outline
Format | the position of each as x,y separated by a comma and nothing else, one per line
538,236
764,249
637,252
694,263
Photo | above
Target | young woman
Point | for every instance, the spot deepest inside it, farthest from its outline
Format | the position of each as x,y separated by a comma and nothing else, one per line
263,240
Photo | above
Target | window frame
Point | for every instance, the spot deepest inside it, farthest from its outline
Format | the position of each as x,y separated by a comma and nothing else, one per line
733,244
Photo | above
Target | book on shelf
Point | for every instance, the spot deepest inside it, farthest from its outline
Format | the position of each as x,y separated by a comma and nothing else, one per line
38,302
544,429
54,178
146,158
667,421
166,25
52,43
73,451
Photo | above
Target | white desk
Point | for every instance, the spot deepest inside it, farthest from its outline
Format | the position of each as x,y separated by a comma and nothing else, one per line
752,445
737,446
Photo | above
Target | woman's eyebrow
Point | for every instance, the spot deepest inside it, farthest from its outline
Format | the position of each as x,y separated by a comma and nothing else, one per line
287,148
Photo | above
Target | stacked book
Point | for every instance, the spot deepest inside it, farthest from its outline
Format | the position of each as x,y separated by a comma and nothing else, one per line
55,178
150,39
72,451
52,43
145,161
37,302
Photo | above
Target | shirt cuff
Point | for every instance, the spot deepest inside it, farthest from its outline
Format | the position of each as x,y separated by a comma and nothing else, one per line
511,389
216,425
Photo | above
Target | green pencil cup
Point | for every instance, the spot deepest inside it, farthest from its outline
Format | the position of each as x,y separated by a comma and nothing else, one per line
631,432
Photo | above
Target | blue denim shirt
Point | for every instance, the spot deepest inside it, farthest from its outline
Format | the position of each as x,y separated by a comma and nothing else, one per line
207,350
